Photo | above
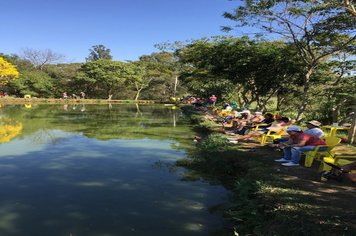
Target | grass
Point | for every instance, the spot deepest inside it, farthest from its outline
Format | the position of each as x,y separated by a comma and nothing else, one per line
268,199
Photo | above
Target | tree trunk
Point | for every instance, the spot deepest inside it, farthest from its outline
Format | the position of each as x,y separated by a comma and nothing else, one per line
352,132
305,100
175,86
138,94
335,113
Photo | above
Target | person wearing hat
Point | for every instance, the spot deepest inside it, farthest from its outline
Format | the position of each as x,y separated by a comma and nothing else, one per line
298,142
250,120
314,129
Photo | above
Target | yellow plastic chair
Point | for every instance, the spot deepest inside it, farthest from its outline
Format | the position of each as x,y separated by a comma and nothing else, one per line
331,142
259,126
336,160
273,135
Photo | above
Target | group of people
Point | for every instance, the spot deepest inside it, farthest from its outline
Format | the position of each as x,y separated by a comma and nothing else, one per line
294,143
65,95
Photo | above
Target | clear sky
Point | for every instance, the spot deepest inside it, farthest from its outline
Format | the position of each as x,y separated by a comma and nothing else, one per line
129,28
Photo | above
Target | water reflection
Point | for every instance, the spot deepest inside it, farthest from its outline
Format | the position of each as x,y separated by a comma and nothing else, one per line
105,171
9,129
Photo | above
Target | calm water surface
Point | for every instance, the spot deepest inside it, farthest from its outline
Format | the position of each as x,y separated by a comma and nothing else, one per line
99,170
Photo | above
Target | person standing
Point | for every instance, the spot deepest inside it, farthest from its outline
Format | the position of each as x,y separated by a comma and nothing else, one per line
82,94
213,99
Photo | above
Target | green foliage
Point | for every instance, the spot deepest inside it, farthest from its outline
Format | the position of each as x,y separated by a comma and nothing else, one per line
99,52
161,70
64,78
107,75
255,70
213,144
34,82
317,29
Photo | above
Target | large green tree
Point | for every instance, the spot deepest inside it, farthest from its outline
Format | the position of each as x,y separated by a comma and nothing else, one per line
99,52
106,75
33,82
158,70
163,69
254,71
318,29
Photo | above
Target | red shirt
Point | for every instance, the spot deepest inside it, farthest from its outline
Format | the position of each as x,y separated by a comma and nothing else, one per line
310,140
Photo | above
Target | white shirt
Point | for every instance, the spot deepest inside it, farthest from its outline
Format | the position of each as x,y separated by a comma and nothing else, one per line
317,132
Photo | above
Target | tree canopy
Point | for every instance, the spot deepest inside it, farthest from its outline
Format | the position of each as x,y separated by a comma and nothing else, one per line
7,71
99,52
318,29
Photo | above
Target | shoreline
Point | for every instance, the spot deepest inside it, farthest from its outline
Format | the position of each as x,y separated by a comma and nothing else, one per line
7,100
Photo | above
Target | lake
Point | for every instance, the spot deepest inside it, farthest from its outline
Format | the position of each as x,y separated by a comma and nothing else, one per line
100,170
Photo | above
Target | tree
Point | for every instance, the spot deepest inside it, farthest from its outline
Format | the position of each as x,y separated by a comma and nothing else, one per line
163,68
98,52
34,82
7,71
250,70
318,29
350,8
40,58
157,69
64,78
106,75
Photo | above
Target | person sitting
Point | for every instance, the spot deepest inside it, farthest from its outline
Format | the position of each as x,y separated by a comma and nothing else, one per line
314,129
347,171
298,142
274,127
338,173
255,119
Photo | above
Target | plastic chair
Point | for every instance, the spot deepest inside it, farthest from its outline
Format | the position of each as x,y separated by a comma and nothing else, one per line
258,126
330,141
336,160
274,135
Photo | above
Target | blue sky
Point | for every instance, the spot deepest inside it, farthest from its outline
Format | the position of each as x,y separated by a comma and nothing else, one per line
129,28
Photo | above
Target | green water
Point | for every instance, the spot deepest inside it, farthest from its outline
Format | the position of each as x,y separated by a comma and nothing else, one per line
100,170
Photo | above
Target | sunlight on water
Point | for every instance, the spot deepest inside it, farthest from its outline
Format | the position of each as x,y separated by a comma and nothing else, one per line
101,172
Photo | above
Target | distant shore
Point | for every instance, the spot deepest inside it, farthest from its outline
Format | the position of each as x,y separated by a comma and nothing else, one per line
10,100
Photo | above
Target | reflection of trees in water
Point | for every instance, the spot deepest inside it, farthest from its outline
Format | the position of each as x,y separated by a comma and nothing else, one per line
170,166
124,121
44,136
9,129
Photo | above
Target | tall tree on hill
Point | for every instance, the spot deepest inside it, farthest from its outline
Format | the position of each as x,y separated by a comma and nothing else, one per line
318,29
98,52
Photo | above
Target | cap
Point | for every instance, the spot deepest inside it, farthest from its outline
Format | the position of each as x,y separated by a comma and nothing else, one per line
314,122
245,111
258,112
294,128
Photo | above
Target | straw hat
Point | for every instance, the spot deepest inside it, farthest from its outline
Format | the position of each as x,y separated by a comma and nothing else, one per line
314,123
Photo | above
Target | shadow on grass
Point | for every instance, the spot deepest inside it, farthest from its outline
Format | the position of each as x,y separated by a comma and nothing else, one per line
269,199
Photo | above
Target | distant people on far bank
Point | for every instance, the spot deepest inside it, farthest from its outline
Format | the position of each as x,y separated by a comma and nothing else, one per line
82,94
213,99
64,95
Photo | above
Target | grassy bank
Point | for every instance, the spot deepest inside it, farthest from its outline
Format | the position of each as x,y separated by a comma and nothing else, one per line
266,198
